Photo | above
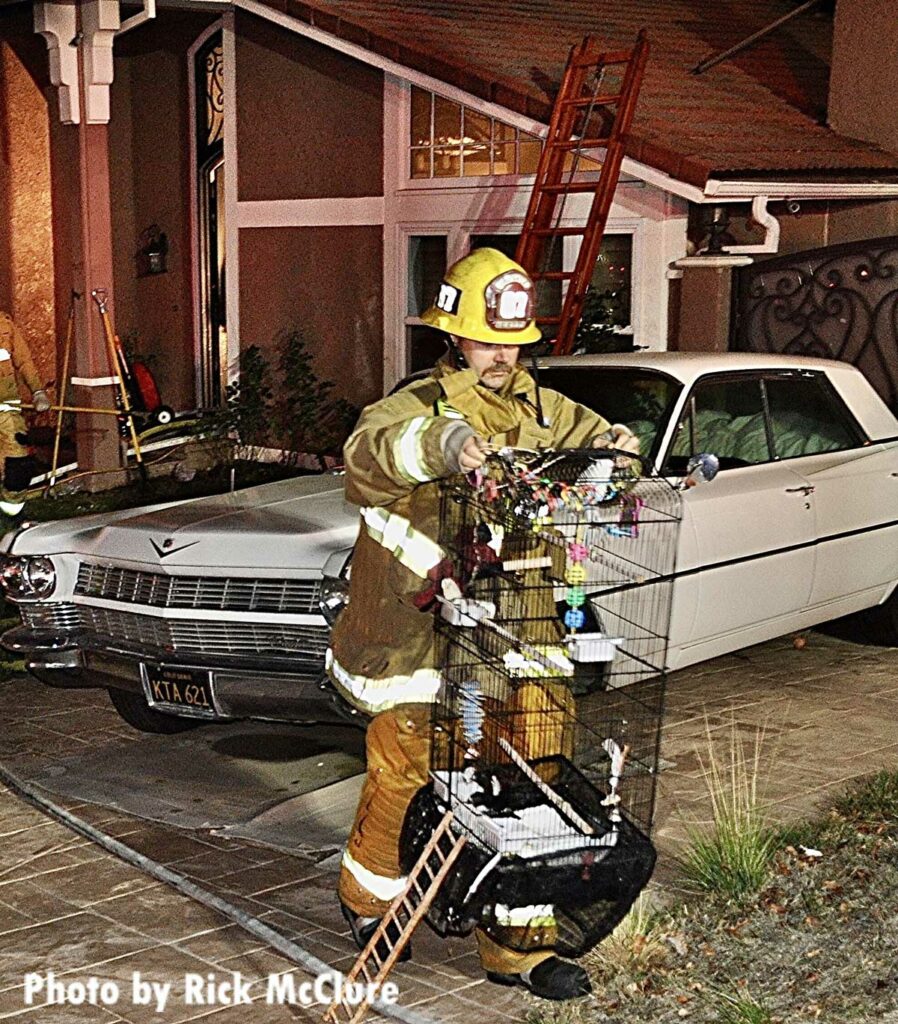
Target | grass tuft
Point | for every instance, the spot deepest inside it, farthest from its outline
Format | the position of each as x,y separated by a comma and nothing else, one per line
875,803
633,950
740,1008
733,859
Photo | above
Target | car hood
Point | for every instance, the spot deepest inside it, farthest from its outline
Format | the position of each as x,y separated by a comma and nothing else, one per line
295,524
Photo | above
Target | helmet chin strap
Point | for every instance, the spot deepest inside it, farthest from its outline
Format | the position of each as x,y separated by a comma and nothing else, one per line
534,372
457,354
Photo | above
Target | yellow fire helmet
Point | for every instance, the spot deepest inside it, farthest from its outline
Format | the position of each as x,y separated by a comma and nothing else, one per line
485,296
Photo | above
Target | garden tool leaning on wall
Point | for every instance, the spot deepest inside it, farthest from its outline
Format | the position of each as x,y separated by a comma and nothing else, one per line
118,373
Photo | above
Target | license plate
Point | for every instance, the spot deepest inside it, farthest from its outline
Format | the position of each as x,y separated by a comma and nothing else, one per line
188,691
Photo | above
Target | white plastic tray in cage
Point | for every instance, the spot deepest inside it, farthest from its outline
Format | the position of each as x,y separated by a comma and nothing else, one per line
467,612
529,832
593,646
537,661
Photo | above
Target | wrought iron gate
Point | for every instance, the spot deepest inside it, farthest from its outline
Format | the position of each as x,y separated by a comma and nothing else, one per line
840,302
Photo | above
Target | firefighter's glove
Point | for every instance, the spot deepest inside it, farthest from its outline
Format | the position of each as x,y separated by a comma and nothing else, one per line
41,400
621,437
473,453
426,600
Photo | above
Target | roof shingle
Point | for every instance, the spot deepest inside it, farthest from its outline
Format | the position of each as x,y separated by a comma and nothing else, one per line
757,114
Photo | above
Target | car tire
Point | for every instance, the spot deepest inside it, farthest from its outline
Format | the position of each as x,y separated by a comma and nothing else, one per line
137,713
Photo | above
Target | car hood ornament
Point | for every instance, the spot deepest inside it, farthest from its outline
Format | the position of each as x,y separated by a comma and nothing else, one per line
166,549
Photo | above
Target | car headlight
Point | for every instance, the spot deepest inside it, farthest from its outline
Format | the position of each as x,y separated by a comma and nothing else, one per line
334,597
28,579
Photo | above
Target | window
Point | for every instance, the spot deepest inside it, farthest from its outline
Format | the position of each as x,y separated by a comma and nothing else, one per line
804,416
725,417
448,140
807,417
606,323
426,264
209,110
640,398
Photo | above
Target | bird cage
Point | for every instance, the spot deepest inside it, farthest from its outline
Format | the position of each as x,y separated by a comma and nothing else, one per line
553,636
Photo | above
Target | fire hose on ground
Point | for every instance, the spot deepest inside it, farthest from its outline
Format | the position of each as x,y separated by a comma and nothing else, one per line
286,947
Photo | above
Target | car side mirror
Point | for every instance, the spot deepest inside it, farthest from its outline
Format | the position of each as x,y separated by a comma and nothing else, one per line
700,469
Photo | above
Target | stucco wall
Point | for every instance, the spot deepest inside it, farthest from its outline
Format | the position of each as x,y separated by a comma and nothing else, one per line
830,223
326,281
864,74
27,286
310,125
309,120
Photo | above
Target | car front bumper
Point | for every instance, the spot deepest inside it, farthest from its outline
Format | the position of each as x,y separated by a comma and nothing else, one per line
281,689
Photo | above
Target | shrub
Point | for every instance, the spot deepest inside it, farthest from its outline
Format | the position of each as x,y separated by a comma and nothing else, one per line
306,417
296,412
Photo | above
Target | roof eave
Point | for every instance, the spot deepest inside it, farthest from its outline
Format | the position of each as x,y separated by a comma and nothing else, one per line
692,179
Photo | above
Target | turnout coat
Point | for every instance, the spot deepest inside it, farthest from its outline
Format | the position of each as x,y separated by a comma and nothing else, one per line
383,652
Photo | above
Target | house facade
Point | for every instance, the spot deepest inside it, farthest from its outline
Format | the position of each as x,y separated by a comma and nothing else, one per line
314,166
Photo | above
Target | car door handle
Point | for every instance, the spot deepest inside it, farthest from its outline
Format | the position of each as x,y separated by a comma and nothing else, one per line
805,489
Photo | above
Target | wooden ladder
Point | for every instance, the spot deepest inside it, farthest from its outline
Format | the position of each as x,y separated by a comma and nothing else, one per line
405,914
584,118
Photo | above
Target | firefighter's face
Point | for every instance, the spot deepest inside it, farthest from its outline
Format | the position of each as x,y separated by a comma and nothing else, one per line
493,363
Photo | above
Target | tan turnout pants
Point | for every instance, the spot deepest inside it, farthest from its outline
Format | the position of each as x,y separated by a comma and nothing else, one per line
11,423
398,760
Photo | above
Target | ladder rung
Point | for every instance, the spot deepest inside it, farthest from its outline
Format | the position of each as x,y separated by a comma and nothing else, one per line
596,60
561,232
589,101
548,319
581,144
571,187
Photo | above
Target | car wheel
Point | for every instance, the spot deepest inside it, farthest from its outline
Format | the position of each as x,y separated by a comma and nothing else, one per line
137,713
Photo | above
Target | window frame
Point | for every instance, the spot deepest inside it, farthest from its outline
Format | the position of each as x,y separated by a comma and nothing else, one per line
760,376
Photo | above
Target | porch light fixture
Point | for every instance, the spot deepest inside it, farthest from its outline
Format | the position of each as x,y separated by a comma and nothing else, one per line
152,251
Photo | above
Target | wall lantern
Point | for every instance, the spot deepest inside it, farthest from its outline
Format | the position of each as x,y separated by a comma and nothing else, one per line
152,251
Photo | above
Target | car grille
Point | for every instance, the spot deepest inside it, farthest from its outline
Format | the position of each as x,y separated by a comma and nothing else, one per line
237,594
180,636
56,616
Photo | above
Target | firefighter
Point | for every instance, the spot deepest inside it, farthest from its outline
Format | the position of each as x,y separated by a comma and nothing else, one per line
17,371
382,657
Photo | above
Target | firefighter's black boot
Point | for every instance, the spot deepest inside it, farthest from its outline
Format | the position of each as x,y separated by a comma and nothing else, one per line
363,928
550,979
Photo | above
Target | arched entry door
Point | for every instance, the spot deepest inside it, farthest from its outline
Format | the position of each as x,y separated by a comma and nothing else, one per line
839,302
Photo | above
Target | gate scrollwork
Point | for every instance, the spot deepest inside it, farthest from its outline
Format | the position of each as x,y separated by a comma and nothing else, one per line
840,302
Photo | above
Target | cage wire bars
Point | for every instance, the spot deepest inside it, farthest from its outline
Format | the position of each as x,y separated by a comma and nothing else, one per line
553,635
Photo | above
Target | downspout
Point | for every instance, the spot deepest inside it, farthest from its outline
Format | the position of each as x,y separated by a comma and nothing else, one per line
147,14
738,255
761,215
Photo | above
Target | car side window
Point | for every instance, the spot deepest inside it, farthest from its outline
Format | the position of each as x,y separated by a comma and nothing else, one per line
725,417
807,417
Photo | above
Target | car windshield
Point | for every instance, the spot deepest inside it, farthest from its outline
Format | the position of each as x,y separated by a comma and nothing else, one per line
642,399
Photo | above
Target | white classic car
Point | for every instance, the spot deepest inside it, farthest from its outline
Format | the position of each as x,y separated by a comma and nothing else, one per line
219,608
